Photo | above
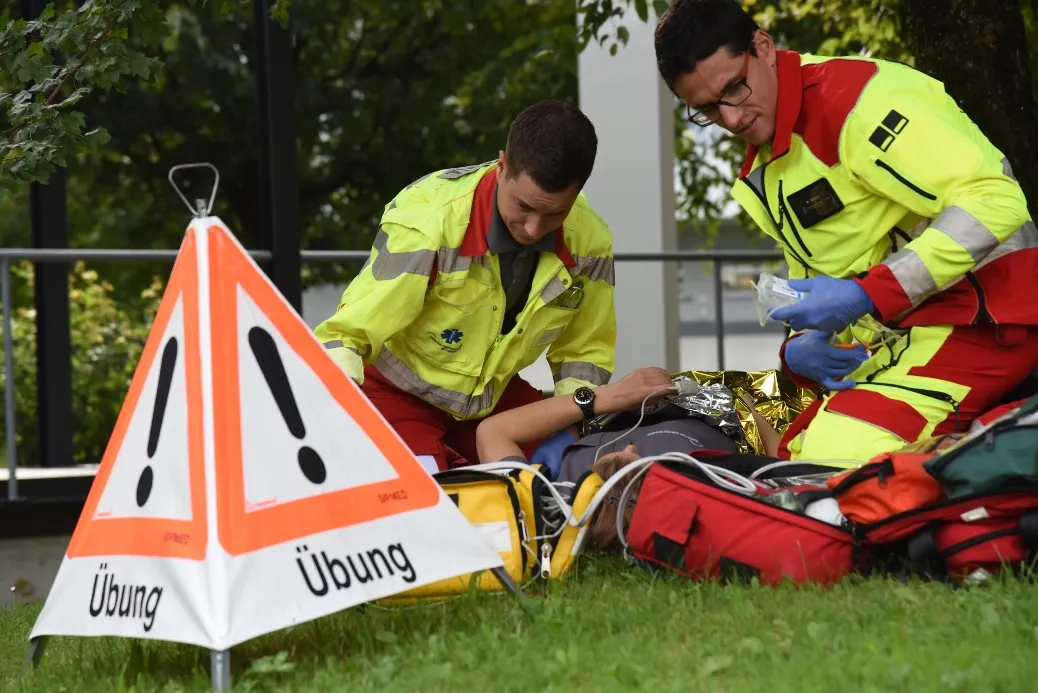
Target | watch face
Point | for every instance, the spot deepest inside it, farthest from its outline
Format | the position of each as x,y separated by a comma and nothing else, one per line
584,395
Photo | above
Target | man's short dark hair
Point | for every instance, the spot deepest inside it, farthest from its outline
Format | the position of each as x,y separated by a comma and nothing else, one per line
693,30
554,143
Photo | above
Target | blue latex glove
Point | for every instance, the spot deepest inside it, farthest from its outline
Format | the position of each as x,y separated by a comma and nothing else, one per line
549,453
830,305
812,356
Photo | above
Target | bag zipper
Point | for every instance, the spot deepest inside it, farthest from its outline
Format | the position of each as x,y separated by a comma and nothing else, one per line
538,508
904,181
864,530
941,461
681,468
461,476
883,470
976,541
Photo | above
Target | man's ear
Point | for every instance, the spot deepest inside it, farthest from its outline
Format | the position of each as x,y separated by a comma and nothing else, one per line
502,163
765,46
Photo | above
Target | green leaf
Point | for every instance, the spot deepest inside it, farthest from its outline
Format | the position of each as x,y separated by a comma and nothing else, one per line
622,34
387,637
661,7
751,645
642,8
714,665
96,138
33,68
277,664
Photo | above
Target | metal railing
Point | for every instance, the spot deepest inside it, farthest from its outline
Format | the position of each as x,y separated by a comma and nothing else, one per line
44,255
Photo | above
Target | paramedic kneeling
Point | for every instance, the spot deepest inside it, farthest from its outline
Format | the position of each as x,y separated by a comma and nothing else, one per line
887,202
474,273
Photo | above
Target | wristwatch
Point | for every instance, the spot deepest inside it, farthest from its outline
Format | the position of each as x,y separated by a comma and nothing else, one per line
585,399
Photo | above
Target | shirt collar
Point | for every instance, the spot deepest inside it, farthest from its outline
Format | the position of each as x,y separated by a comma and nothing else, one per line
787,109
487,230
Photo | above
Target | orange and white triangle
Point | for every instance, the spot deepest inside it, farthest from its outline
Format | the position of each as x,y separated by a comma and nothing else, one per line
248,484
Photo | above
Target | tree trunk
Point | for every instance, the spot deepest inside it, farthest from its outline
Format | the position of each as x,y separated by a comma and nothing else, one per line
978,48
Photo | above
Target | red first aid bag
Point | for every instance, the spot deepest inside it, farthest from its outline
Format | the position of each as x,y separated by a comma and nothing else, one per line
959,540
690,525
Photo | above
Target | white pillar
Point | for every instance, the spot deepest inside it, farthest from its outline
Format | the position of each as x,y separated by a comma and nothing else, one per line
632,189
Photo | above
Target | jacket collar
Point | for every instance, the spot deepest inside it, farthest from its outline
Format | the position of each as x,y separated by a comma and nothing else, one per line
481,220
787,110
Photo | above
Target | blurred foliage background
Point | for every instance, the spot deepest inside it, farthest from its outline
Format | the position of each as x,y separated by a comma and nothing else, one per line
387,90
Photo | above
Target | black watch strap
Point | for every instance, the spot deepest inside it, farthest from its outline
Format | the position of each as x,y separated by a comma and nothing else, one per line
586,403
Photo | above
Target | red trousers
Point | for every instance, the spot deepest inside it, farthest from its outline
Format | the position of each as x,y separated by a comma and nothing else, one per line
428,430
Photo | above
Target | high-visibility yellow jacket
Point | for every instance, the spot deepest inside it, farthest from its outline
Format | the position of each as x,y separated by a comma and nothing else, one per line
876,174
427,308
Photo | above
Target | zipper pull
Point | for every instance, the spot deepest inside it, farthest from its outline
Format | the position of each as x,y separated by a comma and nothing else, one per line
524,536
545,561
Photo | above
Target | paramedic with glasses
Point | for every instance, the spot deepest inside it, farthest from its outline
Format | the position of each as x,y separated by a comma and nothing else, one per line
890,206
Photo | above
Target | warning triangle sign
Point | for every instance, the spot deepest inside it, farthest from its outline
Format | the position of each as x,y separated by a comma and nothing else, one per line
248,484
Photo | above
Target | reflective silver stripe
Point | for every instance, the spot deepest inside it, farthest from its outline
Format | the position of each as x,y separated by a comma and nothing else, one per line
411,185
450,260
389,265
755,179
966,230
460,171
337,344
582,370
917,230
910,272
594,268
401,375
1023,238
1007,170
553,290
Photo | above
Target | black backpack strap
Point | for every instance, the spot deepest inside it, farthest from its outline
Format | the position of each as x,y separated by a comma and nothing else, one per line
924,556
1029,530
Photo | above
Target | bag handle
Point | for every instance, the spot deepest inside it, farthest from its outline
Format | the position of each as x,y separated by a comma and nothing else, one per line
725,478
719,476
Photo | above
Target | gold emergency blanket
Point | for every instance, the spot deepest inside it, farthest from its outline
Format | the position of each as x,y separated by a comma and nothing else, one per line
773,394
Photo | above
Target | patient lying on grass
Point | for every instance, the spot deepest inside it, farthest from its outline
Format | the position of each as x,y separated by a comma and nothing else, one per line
500,437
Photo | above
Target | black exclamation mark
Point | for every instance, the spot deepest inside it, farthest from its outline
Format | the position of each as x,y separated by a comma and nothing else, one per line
266,352
169,361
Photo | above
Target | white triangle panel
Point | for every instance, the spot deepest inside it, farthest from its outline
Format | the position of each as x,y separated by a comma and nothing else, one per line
150,475
300,442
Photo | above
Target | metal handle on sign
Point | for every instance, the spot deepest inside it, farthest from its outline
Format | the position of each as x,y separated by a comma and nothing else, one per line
196,211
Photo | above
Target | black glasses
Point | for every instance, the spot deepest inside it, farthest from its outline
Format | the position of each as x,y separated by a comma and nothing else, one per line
733,96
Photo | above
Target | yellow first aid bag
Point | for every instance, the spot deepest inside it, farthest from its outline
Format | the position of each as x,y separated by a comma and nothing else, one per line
501,510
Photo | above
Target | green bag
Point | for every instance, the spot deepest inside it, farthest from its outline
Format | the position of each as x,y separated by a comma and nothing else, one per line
1001,456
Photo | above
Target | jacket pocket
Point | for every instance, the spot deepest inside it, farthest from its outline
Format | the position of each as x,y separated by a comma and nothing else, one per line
452,331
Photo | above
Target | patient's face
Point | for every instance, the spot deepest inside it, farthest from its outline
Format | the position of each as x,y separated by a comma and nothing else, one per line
603,530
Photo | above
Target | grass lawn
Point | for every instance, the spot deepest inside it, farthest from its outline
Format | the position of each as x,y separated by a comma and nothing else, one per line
607,628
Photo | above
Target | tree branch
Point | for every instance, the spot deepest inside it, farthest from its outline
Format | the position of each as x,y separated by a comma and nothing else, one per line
72,73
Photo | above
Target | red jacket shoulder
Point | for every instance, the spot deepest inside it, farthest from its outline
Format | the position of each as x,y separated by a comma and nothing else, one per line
831,90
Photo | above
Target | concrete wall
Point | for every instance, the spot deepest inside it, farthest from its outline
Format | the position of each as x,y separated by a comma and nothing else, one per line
632,188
